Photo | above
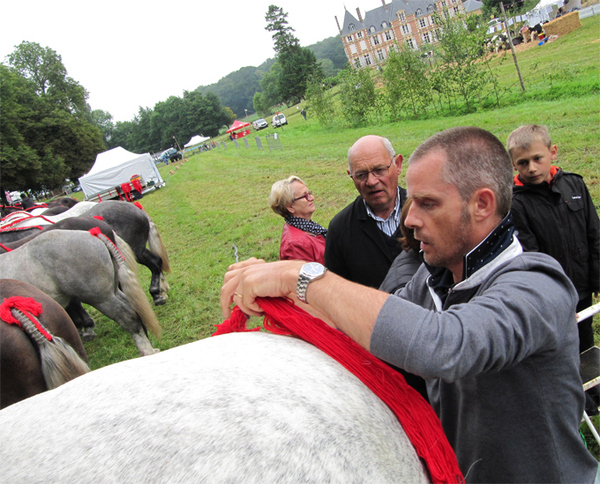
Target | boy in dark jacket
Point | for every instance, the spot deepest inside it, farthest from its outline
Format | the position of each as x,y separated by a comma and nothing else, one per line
554,213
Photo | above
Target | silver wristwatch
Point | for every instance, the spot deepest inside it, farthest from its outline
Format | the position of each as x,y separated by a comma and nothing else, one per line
309,272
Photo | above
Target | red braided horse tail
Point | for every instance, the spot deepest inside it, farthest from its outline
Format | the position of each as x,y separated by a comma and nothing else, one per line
60,363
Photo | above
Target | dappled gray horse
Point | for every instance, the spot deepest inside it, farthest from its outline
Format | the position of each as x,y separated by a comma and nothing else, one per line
245,407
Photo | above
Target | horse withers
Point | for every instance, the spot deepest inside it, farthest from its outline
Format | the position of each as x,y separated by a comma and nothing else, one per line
244,407
35,357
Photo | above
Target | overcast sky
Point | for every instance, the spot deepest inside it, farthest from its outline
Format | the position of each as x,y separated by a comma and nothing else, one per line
130,54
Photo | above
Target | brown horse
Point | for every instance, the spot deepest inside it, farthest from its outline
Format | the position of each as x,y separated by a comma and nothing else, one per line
31,363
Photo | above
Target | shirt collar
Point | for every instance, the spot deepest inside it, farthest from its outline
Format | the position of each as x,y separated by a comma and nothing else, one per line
500,245
395,213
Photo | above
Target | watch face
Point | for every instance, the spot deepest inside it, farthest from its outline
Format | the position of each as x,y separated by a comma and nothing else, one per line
313,269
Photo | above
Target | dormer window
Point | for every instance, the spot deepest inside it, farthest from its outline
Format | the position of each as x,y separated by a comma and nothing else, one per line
430,8
372,29
384,25
351,27
418,12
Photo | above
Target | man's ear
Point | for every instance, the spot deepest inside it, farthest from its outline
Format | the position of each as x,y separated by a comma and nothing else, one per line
484,204
398,162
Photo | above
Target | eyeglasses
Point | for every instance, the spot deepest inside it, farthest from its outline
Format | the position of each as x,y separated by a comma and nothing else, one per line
306,195
362,176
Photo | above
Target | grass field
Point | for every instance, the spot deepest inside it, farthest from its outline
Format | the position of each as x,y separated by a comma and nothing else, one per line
218,199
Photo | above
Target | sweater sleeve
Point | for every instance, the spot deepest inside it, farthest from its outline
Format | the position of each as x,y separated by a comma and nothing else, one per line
519,313
526,237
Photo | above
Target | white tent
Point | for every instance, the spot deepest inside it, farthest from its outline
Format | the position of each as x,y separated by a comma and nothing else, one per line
117,166
196,140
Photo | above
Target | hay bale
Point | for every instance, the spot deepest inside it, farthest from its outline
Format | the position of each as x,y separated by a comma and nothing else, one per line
563,25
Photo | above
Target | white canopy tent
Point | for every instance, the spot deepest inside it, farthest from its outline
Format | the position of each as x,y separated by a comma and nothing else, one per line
117,166
196,140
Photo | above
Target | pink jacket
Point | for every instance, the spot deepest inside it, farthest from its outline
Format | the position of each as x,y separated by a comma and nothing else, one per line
299,245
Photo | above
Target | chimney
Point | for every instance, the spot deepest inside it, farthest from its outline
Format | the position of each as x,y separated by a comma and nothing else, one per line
384,5
338,24
359,15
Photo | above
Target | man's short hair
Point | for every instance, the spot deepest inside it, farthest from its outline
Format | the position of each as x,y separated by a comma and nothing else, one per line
282,195
386,144
475,159
524,136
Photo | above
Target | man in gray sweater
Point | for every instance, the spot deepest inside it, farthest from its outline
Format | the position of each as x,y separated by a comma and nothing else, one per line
490,328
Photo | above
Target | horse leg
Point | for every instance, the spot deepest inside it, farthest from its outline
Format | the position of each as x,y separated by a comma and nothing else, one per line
153,262
83,321
118,309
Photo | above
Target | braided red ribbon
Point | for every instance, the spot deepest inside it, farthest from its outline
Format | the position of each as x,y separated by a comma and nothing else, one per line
28,306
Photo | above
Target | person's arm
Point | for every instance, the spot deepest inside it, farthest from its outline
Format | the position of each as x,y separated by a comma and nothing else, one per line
526,237
593,238
334,256
352,308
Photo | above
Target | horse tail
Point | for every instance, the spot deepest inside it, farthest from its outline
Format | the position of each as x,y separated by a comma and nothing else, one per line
130,285
157,246
60,362
127,254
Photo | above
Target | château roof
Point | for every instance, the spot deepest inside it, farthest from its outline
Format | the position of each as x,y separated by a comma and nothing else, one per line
376,17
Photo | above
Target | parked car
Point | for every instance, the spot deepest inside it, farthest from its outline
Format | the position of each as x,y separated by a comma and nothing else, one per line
260,124
279,120
170,155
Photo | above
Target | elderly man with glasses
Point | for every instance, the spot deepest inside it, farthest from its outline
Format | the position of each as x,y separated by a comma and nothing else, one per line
362,241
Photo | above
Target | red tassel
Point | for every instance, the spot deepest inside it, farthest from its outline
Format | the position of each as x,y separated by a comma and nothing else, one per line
95,231
29,307
139,205
235,324
421,424
99,217
5,248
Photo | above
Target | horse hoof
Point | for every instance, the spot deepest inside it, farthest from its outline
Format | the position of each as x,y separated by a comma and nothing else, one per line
87,335
160,300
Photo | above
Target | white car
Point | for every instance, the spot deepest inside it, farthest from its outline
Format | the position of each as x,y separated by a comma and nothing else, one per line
279,120
260,124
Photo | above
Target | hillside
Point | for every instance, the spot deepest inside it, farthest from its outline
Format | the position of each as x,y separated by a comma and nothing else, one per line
236,90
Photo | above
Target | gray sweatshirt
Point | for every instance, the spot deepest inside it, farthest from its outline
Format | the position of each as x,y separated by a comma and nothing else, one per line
500,356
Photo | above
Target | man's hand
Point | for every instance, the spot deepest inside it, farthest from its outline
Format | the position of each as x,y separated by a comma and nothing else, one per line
252,278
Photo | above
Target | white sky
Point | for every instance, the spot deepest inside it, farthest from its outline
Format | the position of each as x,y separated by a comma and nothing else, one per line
130,54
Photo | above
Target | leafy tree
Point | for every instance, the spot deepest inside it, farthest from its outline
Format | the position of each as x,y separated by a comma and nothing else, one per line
458,59
277,22
406,82
260,104
45,68
357,92
270,87
103,120
298,64
320,102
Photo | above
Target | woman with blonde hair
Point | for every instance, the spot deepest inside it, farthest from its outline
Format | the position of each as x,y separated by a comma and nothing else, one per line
301,239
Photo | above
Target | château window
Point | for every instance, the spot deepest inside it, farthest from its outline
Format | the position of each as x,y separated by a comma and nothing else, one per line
410,43
359,35
349,38
380,54
402,17
351,27
388,35
372,29
422,23
384,25
375,40
368,60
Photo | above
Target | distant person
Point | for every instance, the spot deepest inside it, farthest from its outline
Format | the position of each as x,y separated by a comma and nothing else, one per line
362,241
303,113
26,201
301,238
406,264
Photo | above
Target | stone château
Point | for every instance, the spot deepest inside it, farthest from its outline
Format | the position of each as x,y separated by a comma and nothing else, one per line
368,41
